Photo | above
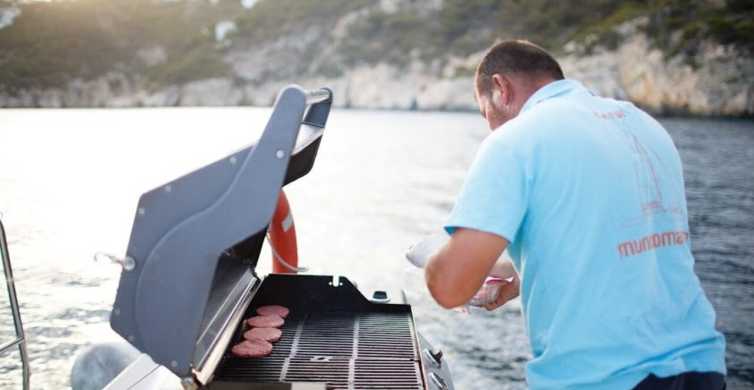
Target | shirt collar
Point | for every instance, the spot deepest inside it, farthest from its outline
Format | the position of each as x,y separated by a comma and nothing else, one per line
555,88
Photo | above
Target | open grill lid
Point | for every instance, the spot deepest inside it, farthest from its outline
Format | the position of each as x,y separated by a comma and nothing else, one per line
172,304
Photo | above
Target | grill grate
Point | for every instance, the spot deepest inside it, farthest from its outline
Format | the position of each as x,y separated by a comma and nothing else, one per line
346,350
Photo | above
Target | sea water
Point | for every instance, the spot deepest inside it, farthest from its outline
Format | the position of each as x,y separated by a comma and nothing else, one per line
70,180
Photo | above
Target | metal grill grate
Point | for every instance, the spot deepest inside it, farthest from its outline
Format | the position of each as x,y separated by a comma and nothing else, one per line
346,350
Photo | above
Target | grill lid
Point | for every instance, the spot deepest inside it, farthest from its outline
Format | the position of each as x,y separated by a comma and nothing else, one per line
175,302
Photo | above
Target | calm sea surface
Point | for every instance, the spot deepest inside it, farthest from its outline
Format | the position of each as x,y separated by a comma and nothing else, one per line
69,181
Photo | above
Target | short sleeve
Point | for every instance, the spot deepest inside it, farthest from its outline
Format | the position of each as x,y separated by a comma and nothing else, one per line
494,196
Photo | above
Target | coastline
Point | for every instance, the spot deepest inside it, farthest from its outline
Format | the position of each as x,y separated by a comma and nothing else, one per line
670,114
722,86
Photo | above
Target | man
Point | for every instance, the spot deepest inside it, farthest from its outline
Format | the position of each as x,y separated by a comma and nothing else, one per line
587,195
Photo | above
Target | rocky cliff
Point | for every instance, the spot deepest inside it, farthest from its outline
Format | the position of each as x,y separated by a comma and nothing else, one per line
717,80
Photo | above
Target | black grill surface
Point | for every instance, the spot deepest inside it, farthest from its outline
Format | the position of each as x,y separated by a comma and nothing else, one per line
346,350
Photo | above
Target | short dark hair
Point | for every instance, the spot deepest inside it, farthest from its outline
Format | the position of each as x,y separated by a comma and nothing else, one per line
516,56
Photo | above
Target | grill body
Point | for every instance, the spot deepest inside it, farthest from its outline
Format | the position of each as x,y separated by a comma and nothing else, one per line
333,336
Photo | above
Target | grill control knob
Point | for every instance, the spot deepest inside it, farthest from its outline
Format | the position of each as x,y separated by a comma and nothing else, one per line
438,381
380,296
434,355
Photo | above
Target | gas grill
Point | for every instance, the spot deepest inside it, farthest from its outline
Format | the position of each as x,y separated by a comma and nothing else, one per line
333,335
189,281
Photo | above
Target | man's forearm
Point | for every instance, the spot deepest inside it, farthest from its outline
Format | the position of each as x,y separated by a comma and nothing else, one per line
455,273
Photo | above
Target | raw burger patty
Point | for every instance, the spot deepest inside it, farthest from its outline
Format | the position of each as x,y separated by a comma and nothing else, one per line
280,311
266,334
252,348
271,321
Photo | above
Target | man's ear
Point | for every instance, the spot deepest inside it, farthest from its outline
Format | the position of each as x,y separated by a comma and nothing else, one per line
504,87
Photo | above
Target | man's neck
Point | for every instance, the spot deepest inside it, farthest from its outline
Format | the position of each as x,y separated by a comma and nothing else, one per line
529,87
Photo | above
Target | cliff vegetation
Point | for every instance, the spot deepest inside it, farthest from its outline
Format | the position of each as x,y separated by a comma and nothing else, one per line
148,46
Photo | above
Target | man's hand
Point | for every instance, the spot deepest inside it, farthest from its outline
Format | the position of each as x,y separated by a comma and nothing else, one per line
503,269
507,292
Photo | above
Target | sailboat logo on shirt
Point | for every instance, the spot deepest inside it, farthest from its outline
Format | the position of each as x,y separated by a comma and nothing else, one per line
650,177
646,178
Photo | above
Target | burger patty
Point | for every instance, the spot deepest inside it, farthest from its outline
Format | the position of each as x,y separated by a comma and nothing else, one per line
252,348
269,321
266,334
280,311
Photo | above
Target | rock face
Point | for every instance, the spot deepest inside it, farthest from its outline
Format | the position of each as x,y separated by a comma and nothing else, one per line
210,92
722,85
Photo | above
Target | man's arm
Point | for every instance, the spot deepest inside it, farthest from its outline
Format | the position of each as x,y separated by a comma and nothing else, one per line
457,271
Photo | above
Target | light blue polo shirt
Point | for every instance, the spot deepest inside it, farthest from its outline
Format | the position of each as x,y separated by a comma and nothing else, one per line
589,192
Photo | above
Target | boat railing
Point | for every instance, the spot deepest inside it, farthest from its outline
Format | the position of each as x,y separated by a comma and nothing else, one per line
20,339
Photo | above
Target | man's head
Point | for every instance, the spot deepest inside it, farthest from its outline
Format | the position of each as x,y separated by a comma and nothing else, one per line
508,75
